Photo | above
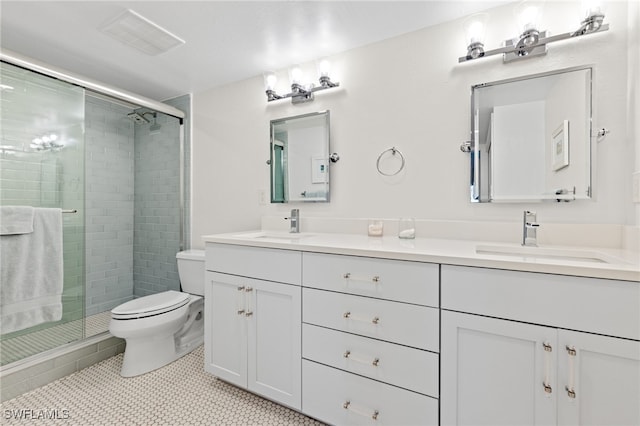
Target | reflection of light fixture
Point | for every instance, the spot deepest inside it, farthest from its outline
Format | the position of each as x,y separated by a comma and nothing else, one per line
531,41
299,92
47,142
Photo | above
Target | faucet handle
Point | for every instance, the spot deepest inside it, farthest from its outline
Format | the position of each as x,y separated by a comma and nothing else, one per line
294,220
530,219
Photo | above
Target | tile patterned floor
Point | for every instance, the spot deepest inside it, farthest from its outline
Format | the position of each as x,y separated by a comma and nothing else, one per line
20,347
178,394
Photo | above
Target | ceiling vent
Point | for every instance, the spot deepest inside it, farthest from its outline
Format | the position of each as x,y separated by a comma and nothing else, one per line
137,31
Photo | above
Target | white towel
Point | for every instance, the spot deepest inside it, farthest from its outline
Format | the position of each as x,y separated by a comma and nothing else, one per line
31,273
16,220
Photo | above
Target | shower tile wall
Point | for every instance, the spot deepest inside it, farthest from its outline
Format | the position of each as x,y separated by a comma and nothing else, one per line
157,207
109,205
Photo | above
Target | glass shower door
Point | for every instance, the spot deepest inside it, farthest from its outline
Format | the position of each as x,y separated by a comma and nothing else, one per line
42,165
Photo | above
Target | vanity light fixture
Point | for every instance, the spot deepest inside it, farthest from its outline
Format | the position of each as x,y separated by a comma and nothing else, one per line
299,92
531,41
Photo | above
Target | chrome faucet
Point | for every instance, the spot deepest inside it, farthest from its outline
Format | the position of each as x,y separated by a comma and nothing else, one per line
529,229
295,221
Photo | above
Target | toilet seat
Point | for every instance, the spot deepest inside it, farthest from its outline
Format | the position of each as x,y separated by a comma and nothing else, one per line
151,305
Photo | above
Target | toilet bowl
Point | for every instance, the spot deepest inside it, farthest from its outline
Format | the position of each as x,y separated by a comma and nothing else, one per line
162,327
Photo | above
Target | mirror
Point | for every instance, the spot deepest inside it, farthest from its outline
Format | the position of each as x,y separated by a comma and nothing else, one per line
531,138
300,158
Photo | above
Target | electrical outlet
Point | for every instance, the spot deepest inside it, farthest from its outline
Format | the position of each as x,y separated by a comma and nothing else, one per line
262,197
635,187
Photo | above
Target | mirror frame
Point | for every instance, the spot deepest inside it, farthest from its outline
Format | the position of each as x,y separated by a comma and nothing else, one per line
325,154
480,190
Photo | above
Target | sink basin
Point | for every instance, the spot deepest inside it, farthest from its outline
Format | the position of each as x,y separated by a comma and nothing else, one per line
272,235
560,254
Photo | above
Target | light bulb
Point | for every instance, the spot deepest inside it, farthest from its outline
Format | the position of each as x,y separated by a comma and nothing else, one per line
324,67
528,14
270,80
591,8
295,74
475,27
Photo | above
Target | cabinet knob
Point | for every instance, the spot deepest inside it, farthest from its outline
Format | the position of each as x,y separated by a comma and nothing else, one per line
547,388
241,311
248,314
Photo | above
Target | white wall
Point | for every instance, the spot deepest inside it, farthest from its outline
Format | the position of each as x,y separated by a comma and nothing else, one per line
411,93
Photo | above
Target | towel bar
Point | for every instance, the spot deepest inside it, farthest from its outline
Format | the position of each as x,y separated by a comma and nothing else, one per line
70,211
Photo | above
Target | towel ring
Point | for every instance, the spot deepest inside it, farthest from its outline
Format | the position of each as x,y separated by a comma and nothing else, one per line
393,151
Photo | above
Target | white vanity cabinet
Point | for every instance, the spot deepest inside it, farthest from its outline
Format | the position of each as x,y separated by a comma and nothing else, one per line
253,320
370,340
538,349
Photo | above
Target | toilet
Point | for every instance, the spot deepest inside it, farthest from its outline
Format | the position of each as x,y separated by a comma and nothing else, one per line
162,327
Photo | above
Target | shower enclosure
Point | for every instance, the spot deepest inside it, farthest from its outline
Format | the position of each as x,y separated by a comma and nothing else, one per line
117,169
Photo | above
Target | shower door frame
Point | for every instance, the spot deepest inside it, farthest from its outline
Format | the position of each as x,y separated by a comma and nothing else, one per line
113,92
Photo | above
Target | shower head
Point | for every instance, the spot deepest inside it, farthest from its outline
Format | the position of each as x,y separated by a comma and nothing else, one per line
155,126
138,118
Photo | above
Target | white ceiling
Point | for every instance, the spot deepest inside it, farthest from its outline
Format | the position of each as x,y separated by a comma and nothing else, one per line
226,41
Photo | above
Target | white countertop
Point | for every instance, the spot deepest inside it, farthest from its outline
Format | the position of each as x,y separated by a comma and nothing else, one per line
585,262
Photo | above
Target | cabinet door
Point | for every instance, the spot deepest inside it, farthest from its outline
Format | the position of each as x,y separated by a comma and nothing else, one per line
602,375
226,327
275,341
493,372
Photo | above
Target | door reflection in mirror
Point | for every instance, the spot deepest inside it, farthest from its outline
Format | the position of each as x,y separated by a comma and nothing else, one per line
532,138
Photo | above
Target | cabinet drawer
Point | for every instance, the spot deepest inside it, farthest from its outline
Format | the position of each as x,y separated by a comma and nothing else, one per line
326,391
593,305
268,264
411,325
411,282
408,368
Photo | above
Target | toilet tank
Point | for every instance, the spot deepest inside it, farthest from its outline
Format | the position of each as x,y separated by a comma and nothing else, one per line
191,271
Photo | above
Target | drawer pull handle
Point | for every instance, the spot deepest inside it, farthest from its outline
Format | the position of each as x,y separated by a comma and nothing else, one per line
350,356
570,391
348,315
571,354
348,276
248,311
546,384
240,301
348,406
